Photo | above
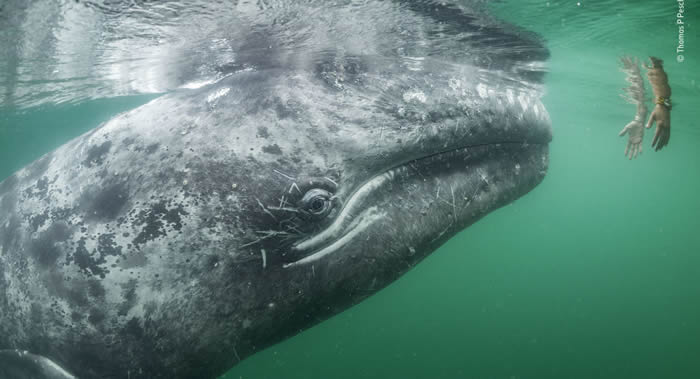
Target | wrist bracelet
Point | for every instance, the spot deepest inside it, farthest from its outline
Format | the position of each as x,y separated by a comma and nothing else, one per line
664,101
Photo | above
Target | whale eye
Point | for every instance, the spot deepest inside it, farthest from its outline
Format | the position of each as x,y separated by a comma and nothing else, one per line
316,203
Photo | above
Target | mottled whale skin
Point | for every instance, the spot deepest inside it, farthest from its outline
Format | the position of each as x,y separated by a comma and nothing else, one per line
180,237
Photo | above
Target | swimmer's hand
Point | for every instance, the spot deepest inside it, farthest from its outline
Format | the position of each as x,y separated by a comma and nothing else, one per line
662,116
630,64
635,129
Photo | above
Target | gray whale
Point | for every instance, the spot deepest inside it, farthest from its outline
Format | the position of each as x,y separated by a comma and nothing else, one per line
331,154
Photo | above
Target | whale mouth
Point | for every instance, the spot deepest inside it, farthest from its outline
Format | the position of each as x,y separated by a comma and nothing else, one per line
467,169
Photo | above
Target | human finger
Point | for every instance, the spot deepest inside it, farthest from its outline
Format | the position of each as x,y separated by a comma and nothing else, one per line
657,134
630,149
636,151
664,139
663,135
651,120
624,130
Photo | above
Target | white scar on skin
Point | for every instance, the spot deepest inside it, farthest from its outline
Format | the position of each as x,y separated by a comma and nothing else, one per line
358,226
59,369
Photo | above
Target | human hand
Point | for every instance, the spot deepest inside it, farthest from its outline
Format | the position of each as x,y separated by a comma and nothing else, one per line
635,129
655,63
630,64
662,115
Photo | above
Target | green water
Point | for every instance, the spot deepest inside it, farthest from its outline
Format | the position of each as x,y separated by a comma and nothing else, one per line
595,274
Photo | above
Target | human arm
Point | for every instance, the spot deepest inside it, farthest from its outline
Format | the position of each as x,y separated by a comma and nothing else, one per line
634,93
661,114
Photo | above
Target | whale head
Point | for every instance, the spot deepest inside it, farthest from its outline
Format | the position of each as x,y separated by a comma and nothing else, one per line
330,149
